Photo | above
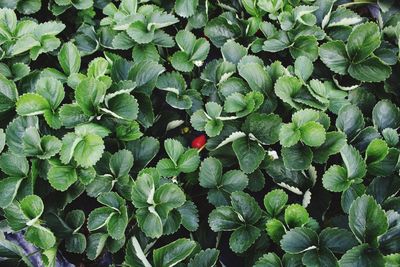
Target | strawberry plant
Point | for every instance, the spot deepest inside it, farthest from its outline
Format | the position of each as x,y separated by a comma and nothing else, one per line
198,133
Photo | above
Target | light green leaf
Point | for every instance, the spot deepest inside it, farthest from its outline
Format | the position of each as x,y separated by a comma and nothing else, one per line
173,253
32,104
69,58
363,40
62,177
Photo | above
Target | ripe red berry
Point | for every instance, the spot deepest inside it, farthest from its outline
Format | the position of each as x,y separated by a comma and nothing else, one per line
199,141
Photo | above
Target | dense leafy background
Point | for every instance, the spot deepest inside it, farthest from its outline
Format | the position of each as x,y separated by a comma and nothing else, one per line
105,107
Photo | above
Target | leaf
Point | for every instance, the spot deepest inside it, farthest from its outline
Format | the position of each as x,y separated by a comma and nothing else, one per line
52,90
363,40
189,161
312,134
205,258
249,153
89,150
257,77
297,157
121,163
289,135
305,46
335,179
122,106
367,220
337,240
69,58
62,177
173,253
32,207
32,104
371,69
89,94
334,142
223,218
219,30
334,56
362,255
350,120
264,127
287,87
186,8
243,237
298,240
385,115
174,149
268,260
296,215
8,94
8,190
96,243
303,67
14,165
275,201
233,52
376,151
322,257
355,165
190,217
40,236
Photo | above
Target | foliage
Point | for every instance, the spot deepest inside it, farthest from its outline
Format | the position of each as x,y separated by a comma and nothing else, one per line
200,133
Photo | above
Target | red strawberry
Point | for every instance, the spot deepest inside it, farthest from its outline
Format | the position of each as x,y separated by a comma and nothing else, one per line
199,141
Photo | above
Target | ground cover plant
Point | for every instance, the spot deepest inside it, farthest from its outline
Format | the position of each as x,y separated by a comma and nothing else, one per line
199,133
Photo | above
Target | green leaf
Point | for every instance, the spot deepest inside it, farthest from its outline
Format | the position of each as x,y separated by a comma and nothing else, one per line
223,218
386,115
371,69
168,197
122,106
367,220
76,243
334,142
8,94
219,30
32,104
62,177
355,164
303,67
296,215
174,149
289,135
150,222
297,157
69,58
275,229
40,236
249,153
14,165
334,55
173,253
350,120
189,215
362,255
337,240
99,218
117,224
189,161
265,128
376,151
243,237
181,61
89,94
257,77
335,179
32,207
186,8
275,201
233,52
321,257
8,190
363,40
121,163
299,240
205,258
287,87
312,134
96,243
305,46
89,150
